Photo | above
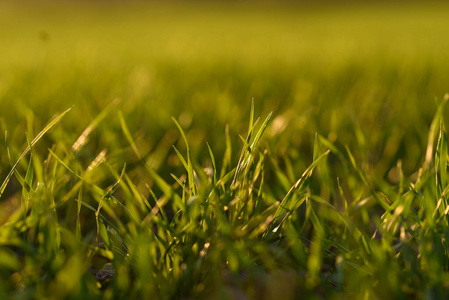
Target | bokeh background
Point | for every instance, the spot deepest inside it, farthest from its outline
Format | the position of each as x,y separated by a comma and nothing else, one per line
368,75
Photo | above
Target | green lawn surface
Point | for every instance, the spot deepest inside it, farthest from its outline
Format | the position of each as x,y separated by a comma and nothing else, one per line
153,185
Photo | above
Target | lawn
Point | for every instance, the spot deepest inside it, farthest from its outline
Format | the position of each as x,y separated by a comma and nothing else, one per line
196,150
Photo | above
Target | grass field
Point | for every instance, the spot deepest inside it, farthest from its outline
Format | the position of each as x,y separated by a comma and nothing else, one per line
147,174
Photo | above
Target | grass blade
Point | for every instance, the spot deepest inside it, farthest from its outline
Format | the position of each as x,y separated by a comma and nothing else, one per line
432,134
212,157
33,142
189,160
289,200
83,138
128,135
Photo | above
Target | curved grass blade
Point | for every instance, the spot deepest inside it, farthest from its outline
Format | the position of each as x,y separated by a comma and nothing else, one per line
181,158
33,142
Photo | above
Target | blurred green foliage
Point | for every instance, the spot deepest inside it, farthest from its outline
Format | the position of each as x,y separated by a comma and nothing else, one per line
369,76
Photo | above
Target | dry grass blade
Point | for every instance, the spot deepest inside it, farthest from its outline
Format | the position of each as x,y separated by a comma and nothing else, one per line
83,138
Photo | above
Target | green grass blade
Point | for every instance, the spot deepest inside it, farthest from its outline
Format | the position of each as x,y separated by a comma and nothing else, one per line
165,187
227,154
315,147
128,135
33,142
342,196
251,118
261,131
190,176
79,200
432,134
289,200
30,173
212,157
64,164
180,183
181,158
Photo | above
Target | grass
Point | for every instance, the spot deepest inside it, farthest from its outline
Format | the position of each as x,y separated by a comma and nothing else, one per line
135,165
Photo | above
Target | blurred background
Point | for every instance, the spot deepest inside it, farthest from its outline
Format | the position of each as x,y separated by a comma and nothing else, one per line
368,75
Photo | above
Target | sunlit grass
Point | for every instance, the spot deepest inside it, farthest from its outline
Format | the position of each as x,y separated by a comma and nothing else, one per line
143,170
214,232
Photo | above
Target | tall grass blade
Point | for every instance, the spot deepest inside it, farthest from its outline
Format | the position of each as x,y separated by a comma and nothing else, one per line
212,157
227,154
190,176
432,134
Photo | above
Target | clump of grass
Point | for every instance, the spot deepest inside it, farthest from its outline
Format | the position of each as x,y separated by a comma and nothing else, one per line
87,230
